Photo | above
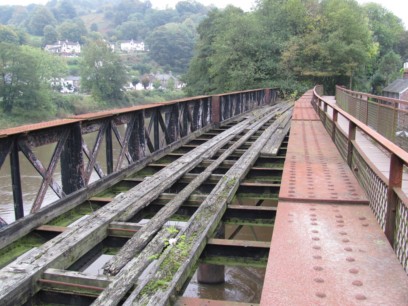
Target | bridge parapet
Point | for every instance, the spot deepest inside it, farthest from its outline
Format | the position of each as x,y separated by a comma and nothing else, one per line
94,149
387,116
386,189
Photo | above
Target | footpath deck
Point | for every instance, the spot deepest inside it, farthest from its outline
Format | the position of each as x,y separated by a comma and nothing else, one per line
327,247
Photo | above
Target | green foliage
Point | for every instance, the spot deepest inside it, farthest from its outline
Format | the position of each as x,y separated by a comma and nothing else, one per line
386,27
102,73
293,43
73,30
172,45
8,35
25,74
50,35
40,18
65,10
388,70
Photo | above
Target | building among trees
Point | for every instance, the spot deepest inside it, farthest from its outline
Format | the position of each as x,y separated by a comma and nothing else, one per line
399,88
65,48
131,46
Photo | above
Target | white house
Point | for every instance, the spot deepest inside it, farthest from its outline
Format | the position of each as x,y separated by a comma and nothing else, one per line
130,46
64,48
69,84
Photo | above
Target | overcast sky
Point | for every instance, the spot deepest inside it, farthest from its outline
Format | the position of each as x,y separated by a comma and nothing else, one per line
398,7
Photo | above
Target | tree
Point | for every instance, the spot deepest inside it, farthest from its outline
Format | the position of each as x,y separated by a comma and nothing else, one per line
73,30
65,11
40,18
25,73
388,70
50,35
145,81
171,45
102,72
386,27
94,27
8,35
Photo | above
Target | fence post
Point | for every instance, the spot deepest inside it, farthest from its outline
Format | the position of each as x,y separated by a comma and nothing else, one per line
335,118
395,181
351,138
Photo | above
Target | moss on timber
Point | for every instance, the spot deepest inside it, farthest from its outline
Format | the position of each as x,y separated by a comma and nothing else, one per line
19,247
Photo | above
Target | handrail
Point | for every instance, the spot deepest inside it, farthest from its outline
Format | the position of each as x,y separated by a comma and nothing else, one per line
377,137
387,116
387,199
380,98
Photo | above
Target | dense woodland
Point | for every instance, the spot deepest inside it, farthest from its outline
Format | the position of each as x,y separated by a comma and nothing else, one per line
294,44
291,44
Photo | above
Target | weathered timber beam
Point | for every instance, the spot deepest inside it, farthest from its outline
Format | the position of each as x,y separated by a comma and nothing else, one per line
73,282
272,146
126,278
176,262
136,244
63,250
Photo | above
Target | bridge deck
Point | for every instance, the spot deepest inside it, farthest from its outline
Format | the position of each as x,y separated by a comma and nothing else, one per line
327,247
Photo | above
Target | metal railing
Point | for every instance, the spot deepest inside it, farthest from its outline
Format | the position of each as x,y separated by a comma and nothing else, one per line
118,141
387,116
387,199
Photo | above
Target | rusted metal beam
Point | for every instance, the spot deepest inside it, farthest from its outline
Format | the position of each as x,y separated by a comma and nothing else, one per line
109,147
395,181
72,161
16,182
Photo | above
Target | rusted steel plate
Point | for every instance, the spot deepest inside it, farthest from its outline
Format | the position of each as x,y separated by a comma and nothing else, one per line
314,169
304,110
189,301
331,255
37,126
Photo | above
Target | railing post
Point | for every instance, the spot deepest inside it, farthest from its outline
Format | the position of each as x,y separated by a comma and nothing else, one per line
351,138
394,126
335,119
156,131
395,181
109,148
16,182
324,113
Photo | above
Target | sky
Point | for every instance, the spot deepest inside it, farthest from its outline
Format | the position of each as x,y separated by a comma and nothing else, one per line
398,7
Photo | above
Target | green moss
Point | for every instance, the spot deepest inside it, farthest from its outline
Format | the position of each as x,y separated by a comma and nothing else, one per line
112,192
236,261
19,247
74,214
